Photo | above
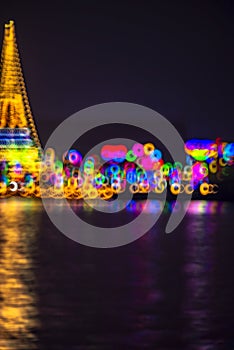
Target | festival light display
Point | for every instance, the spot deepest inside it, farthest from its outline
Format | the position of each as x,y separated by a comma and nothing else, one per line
15,110
140,169
20,149
27,171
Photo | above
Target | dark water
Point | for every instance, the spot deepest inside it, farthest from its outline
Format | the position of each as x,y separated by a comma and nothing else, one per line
161,292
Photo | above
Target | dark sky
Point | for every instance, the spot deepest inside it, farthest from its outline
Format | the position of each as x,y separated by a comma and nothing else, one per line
176,57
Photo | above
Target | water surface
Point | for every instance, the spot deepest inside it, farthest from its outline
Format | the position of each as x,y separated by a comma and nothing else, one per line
161,292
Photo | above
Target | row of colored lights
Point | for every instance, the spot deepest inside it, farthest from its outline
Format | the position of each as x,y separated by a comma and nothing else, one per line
140,169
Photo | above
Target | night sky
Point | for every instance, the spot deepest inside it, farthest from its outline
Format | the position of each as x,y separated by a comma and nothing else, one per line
176,57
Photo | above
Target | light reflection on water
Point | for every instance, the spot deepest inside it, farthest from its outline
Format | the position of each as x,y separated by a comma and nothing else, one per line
154,206
199,270
18,310
162,292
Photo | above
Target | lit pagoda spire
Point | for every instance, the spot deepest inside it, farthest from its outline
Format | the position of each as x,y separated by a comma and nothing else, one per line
15,110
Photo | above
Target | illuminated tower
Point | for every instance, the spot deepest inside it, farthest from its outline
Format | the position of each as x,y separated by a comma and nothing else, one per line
17,128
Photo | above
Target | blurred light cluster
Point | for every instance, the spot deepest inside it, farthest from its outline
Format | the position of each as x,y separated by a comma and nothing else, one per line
27,172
